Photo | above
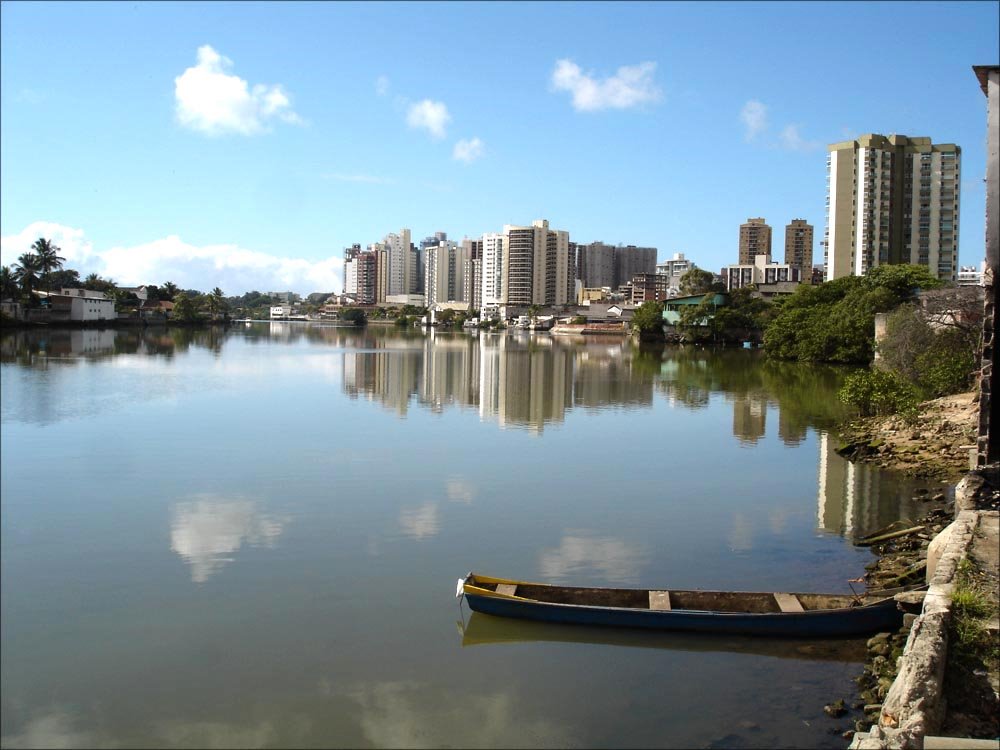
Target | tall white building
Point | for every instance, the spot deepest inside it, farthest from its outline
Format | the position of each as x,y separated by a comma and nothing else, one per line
402,265
892,200
444,270
492,272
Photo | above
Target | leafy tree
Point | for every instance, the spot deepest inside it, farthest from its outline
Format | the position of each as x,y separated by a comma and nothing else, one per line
647,320
835,321
938,359
445,317
878,393
696,281
354,315
185,310
98,284
63,279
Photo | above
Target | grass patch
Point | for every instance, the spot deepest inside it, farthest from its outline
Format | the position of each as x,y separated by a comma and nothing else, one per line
971,605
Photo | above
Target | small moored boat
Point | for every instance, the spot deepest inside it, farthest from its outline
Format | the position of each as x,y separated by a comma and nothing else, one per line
734,612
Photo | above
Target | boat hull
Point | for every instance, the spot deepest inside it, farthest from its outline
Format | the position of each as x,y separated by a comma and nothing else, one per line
879,616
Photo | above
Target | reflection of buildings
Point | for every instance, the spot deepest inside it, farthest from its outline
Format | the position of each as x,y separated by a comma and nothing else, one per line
605,378
450,371
390,376
749,417
523,381
857,498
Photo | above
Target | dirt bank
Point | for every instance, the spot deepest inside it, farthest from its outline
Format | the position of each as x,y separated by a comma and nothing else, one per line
935,444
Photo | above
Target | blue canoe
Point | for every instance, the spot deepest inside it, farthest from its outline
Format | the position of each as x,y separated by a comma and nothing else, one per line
733,612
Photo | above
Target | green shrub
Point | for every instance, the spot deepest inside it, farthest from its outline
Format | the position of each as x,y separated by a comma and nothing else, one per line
878,393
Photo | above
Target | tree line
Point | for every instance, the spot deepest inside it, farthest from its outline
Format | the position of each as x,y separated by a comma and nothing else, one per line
42,269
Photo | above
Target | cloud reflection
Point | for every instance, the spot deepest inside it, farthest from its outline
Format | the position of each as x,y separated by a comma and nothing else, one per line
53,730
580,551
214,734
409,715
205,532
461,490
420,523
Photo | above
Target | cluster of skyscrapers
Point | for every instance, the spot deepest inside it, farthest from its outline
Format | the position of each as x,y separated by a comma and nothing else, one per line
889,200
520,266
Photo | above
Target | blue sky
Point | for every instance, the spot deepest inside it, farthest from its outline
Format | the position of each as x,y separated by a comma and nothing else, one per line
244,145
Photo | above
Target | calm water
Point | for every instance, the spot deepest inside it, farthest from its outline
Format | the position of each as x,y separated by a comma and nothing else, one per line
251,538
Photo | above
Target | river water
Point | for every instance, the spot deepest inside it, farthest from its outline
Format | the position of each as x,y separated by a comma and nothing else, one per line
251,538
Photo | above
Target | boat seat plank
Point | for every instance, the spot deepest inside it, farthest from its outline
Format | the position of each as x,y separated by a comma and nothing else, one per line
659,600
506,589
789,603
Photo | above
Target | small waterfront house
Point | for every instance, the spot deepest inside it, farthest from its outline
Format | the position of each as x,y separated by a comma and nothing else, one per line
78,305
673,307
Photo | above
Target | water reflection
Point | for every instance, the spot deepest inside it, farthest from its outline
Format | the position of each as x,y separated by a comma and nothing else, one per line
207,531
420,523
582,552
56,729
518,381
406,714
521,381
855,499
480,629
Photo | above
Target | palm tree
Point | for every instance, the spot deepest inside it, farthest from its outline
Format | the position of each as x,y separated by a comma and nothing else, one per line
93,278
8,287
170,289
216,301
48,255
26,272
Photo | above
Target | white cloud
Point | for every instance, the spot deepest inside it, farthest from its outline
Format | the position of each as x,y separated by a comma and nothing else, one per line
754,116
212,101
429,115
792,140
631,86
382,85
468,150
232,268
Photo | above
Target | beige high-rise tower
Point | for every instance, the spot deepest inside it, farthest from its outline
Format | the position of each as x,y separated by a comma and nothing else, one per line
755,239
892,200
799,247
536,267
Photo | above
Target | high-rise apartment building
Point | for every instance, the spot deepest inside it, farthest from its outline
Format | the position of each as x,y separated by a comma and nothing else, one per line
755,239
600,265
537,269
492,272
630,261
892,200
365,273
403,264
799,247
472,273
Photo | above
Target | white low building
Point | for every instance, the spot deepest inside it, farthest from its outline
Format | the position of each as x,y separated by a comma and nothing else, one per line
759,273
81,304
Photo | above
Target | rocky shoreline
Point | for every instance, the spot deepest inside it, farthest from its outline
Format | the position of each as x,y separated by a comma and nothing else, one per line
936,444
